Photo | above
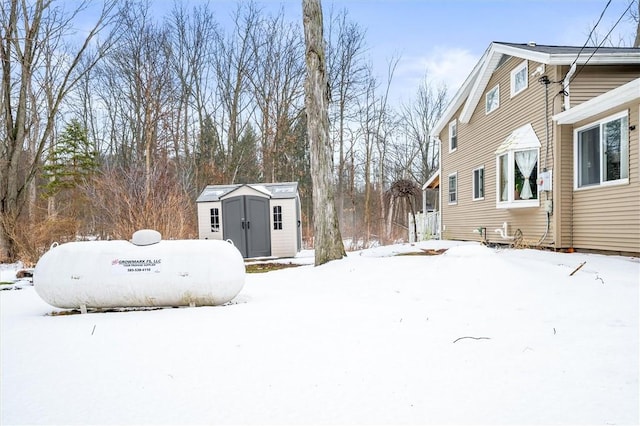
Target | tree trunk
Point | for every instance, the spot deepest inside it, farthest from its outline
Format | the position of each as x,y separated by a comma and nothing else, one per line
30,31
328,241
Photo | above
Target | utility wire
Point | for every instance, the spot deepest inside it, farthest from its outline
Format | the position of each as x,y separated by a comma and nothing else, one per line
591,33
601,43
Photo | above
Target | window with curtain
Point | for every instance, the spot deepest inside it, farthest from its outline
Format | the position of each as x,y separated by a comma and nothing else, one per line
602,152
517,176
503,177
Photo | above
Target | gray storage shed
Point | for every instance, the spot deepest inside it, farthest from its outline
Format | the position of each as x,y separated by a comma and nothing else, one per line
262,220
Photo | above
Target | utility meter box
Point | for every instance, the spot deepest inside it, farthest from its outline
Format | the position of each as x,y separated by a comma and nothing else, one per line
544,180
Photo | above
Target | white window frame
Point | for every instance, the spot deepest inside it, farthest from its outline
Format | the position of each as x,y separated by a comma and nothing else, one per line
511,202
523,67
477,197
453,128
214,212
277,218
624,151
496,89
455,189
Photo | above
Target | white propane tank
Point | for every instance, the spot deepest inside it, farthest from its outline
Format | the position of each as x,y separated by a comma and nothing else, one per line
144,272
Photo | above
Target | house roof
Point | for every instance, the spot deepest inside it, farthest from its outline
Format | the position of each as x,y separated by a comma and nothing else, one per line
433,182
470,93
272,190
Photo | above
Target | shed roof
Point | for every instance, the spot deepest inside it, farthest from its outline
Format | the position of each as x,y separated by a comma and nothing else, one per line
273,190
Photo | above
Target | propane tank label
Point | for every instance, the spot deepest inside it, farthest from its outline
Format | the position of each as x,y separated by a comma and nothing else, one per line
135,266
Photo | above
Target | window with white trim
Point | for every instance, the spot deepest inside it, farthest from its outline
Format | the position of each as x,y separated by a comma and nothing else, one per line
602,152
517,169
478,183
519,78
492,99
453,135
453,188
277,217
517,175
214,215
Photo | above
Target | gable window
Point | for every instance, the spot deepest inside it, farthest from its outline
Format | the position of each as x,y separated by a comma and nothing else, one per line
478,183
277,217
517,169
492,101
602,152
453,135
453,188
519,78
214,215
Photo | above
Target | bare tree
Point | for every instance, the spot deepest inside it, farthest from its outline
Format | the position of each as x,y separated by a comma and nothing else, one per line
26,30
277,86
328,242
143,59
367,114
233,62
383,125
418,120
635,15
193,40
347,74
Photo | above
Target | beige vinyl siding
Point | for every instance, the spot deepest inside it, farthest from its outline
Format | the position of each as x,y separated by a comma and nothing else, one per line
284,241
477,143
608,217
595,80
563,185
204,220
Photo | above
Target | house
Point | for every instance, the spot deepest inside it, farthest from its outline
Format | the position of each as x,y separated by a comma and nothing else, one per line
540,147
262,220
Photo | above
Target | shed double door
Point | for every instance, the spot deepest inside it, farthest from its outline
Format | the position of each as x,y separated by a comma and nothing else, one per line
245,221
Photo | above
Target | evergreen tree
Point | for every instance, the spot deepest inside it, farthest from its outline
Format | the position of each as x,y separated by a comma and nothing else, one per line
71,160
245,158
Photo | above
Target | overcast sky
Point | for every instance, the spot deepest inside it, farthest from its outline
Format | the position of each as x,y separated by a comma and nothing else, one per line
444,39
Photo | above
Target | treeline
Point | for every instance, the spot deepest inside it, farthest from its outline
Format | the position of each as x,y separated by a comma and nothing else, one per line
120,126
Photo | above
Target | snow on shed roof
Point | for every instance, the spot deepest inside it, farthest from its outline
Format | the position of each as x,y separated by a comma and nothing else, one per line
273,190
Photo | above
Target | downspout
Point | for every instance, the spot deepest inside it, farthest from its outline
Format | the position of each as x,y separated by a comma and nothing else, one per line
439,209
567,105
565,86
546,83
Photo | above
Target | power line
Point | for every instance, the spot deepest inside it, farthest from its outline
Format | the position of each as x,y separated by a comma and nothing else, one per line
601,43
591,33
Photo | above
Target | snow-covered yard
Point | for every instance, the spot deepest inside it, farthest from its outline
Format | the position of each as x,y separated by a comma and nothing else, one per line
475,336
